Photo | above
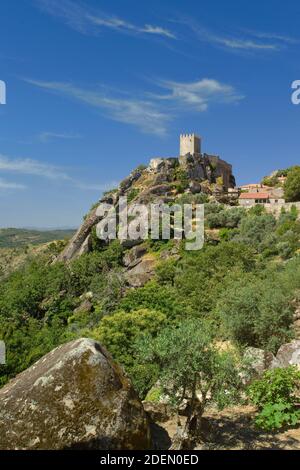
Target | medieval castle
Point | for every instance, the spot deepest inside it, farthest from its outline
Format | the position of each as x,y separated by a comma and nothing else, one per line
190,148
198,166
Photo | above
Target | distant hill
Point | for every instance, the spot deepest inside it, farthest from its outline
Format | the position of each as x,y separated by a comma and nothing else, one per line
14,238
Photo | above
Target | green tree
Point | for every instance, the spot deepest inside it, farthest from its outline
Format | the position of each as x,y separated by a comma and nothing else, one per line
192,369
119,331
292,185
256,311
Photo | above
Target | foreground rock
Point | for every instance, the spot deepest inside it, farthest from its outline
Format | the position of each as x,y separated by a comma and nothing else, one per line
258,361
75,397
288,355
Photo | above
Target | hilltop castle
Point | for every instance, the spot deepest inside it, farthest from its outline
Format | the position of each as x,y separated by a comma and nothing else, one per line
199,166
207,164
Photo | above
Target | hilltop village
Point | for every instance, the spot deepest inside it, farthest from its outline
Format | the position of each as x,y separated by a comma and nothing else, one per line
268,192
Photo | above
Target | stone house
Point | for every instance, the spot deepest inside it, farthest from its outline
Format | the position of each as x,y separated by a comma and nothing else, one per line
252,198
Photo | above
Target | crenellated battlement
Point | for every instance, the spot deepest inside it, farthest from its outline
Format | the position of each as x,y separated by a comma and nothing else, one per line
190,143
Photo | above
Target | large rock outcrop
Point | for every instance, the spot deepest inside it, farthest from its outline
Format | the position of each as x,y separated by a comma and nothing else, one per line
161,181
75,397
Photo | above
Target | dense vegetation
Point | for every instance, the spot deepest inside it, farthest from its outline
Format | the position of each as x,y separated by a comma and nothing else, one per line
241,288
292,184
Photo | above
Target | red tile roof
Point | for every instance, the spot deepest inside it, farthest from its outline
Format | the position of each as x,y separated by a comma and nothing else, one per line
254,196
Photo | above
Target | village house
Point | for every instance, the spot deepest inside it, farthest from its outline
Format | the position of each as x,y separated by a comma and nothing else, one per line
251,198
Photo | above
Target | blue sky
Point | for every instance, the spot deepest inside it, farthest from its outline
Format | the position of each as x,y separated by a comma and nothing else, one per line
95,88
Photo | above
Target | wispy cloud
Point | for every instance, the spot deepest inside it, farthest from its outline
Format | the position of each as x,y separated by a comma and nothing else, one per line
153,112
233,42
127,27
142,113
199,94
273,36
50,136
237,43
6,185
30,167
242,41
89,21
150,29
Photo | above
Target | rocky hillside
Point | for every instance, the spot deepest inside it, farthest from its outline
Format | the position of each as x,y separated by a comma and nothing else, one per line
162,180
166,315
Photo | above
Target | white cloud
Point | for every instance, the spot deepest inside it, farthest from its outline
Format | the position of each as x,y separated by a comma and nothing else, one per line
199,94
237,43
277,37
151,114
87,21
26,166
50,136
5,185
244,41
148,28
144,114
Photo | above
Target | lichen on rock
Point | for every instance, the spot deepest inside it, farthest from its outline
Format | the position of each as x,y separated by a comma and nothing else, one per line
75,397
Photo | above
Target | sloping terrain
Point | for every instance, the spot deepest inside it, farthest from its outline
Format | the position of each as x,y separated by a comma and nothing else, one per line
16,238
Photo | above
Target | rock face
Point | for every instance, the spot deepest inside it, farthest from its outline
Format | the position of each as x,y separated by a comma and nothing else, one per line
259,361
75,397
80,241
288,354
142,272
133,256
85,306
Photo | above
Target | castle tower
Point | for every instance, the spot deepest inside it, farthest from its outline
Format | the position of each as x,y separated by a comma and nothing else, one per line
190,143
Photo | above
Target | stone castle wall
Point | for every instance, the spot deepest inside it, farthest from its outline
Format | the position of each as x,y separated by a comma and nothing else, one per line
190,143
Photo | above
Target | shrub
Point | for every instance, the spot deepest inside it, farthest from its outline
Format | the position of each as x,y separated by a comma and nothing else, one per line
257,311
254,229
201,275
132,195
181,177
226,218
270,181
212,208
258,209
275,395
166,271
153,296
225,234
119,331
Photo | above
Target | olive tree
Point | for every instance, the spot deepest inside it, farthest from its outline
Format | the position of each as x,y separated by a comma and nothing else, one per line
193,371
